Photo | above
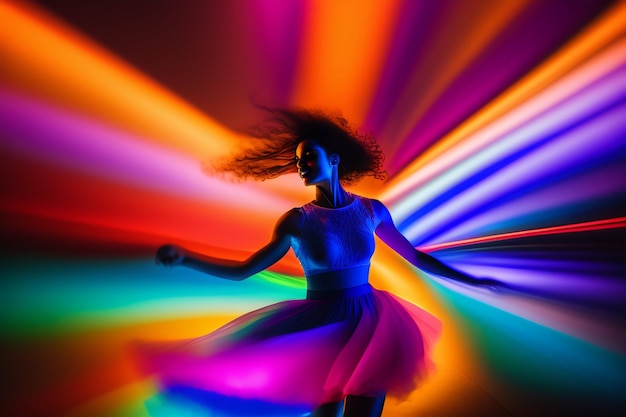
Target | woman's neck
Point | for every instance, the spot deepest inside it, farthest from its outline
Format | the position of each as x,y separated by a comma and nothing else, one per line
331,197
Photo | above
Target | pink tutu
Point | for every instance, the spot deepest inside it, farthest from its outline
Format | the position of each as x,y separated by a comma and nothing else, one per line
359,341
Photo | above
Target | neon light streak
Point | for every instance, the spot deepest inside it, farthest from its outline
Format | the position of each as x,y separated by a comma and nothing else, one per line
608,31
616,223
586,91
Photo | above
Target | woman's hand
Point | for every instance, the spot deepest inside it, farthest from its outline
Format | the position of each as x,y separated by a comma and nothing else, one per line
169,255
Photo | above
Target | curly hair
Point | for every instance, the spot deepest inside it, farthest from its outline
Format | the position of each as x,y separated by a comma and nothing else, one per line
274,142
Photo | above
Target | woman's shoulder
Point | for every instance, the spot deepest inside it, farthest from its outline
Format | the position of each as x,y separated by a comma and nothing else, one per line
289,224
377,209
293,215
374,208
376,204
291,218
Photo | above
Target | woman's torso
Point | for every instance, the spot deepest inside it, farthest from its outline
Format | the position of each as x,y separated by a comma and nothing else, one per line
334,246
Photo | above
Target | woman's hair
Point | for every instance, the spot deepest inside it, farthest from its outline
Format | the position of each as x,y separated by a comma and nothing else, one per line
274,143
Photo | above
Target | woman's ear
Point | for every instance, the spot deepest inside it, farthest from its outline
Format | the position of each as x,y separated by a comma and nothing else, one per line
334,159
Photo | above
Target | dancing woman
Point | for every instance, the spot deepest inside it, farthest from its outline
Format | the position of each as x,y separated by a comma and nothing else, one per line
347,345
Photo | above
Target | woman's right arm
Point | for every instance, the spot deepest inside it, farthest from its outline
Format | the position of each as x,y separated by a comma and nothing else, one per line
388,233
170,255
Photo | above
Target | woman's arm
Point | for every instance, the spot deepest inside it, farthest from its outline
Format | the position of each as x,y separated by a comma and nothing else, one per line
170,255
389,234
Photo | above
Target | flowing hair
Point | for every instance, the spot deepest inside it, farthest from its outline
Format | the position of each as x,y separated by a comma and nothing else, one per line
273,143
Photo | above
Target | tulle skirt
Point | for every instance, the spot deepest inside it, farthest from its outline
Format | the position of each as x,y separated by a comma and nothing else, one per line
359,341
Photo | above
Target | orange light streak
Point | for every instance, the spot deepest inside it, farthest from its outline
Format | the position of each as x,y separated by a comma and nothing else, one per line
601,47
616,223
343,53
45,58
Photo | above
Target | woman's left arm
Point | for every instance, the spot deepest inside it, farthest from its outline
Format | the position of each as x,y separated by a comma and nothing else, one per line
388,233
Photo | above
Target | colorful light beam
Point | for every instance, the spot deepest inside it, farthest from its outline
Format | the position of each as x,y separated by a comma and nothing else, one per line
504,130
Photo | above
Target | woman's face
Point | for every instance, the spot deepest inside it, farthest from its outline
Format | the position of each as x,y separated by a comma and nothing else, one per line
314,165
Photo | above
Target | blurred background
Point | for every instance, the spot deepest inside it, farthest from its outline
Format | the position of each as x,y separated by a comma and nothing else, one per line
504,128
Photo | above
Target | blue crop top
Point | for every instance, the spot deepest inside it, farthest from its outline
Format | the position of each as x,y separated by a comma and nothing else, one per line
334,239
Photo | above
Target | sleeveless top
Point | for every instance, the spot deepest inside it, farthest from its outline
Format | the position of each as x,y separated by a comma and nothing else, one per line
337,238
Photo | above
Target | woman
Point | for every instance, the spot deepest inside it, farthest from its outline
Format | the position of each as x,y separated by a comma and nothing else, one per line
347,345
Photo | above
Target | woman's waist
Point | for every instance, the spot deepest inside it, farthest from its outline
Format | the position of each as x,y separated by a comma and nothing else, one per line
338,279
